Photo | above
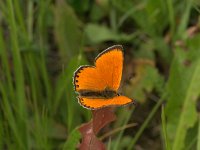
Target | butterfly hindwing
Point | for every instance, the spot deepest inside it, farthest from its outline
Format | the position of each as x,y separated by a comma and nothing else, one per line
90,103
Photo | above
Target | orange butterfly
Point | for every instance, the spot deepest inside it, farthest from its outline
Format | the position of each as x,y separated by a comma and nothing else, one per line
97,85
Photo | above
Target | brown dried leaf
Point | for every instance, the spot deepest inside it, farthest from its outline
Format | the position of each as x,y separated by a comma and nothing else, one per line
101,118
89,140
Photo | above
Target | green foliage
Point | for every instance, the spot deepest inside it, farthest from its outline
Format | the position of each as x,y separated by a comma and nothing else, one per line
147,79
103,34
42,43
66,22
164,130
124,143
184,80
72,141
198,139
146,14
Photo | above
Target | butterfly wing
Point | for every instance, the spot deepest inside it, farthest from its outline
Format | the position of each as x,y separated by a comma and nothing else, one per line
107,71
90,103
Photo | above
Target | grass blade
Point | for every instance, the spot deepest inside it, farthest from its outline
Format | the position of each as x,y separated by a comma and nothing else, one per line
167,146
144,125
198,138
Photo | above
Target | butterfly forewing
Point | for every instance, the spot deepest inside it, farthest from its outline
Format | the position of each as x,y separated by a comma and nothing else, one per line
106,73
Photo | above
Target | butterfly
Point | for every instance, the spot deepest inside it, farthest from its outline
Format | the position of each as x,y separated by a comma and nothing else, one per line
97,85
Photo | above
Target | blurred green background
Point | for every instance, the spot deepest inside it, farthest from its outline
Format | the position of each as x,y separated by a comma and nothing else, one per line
42,42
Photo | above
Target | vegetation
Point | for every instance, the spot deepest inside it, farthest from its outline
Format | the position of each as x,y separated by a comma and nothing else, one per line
42,43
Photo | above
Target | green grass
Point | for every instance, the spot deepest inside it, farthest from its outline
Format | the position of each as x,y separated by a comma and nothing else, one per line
164,130
42,43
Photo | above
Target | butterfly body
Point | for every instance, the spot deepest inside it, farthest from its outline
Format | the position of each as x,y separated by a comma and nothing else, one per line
97,85
107,93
